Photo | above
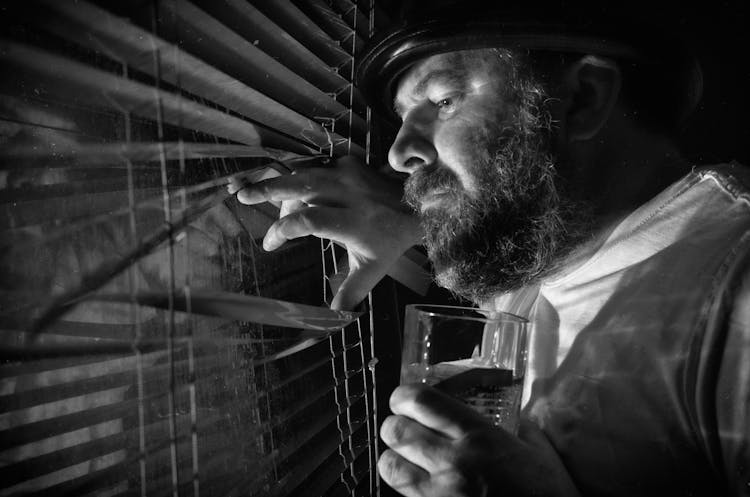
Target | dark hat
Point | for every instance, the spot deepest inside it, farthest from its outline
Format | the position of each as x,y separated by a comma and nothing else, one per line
632,31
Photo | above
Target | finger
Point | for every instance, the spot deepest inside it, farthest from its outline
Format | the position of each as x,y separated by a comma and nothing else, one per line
351,167
418,444
245,178
403,476
235,185
244,197
323,222
290,206
353,173
436,410
312,186
357,284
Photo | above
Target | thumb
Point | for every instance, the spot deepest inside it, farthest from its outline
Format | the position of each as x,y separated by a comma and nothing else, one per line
358,283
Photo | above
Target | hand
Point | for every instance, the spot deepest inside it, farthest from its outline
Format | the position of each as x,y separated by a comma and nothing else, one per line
349,204
440,447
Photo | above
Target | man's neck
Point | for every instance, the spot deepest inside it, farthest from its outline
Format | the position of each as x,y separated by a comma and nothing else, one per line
627,165
625,169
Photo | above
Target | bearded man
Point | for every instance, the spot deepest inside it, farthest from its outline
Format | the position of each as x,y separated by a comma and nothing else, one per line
546,183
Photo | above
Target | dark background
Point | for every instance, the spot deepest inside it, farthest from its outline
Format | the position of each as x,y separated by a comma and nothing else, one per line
720,129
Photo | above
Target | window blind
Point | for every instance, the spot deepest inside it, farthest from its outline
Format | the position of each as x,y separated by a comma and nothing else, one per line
120,125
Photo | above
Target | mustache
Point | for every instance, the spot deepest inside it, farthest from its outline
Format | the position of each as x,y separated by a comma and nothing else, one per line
429,179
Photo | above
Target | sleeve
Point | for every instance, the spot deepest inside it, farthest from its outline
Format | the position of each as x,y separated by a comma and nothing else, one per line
733,390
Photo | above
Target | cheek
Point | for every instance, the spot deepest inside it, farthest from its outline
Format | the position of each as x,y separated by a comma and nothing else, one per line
461,148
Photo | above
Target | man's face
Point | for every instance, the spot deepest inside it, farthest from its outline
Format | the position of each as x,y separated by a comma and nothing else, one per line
474,138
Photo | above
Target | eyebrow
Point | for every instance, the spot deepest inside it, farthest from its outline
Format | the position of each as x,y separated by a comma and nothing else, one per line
454,76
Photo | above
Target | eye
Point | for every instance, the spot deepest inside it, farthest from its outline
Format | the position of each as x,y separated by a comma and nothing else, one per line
446,102
449,104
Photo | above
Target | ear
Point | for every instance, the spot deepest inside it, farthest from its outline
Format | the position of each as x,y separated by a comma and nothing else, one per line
591,87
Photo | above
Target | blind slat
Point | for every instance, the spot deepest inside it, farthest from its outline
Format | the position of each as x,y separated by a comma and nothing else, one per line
66,208
353,16
50,373
125,411
95,480
328,446
154,377
64,484
138,48
207,38
329,477
27,395
302,28
116,155
247,21
107,89
73,79
35,123
39,430
254,25
332,23
33,467
104,443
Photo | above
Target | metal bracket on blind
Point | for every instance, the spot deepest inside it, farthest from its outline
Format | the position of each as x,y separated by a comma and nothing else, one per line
339,91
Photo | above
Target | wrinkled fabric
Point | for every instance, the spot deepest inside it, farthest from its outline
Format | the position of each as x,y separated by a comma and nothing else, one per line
639,360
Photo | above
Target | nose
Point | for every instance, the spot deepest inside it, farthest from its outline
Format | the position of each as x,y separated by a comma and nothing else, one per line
413,147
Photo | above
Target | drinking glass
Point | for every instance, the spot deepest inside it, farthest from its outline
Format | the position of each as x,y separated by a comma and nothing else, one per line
475,355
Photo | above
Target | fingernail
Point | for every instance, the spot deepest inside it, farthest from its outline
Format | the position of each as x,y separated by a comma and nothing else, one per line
267,241
233,186
250,195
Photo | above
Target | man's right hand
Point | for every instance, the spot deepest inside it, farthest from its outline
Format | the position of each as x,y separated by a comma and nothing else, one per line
349,204
441,447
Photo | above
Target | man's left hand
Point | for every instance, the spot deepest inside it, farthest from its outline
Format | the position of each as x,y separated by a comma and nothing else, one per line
441,447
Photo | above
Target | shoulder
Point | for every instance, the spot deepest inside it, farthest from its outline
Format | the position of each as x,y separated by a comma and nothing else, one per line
725,386
732,177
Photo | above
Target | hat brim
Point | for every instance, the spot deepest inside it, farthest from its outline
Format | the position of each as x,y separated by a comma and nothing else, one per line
389,55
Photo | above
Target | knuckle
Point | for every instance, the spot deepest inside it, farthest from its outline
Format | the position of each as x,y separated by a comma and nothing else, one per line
282,228
260,185
281,225
393,430
421,394
308,219
289,207
308,182
389,466
314,179
451,459
459,484
401,475
478,443
406,397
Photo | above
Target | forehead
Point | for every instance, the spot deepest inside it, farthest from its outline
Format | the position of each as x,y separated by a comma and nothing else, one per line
457,68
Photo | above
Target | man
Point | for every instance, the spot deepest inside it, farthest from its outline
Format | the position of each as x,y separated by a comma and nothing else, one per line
541,189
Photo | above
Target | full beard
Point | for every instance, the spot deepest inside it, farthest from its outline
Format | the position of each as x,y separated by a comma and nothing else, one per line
513,230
